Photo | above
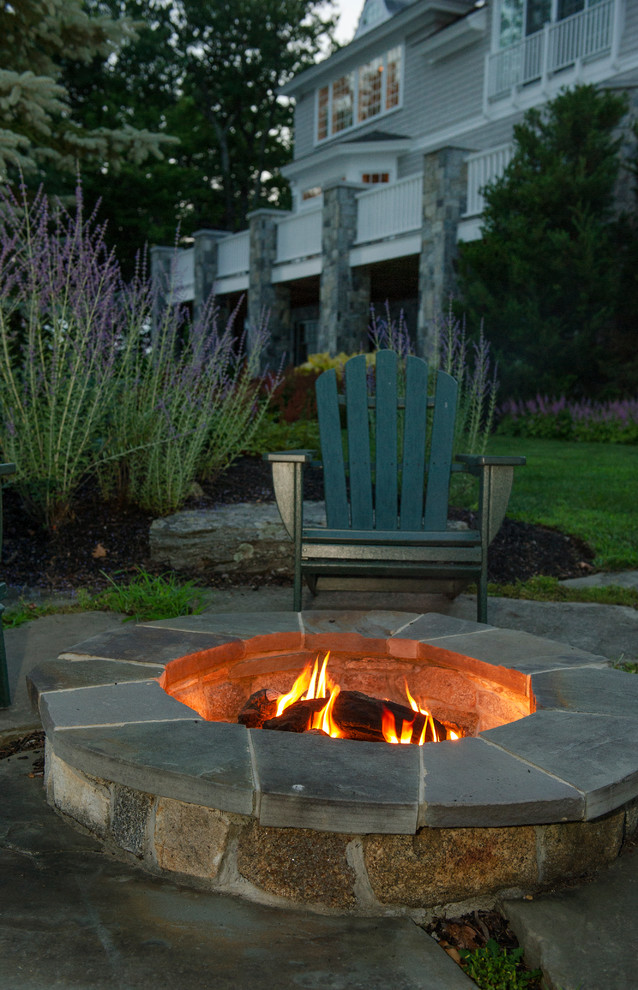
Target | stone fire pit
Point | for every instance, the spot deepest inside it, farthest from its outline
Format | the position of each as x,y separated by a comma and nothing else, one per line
342,825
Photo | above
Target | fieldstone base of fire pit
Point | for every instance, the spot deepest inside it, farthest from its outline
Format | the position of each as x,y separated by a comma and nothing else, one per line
340,825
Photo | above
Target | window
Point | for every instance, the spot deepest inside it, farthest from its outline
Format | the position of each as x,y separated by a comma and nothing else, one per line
373,89
311,192
322,113
370,89
342,100
521,18
373,177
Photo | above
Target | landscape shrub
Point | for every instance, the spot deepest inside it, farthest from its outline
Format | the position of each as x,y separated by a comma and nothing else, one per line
560,419
87,390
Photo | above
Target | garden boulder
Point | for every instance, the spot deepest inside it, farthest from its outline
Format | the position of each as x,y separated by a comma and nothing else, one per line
244,538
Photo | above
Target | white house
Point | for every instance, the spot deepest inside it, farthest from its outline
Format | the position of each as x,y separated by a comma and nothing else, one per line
395,135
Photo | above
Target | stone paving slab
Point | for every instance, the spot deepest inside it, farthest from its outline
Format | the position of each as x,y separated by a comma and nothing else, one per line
586,937
597,754
205,764
373,624
605,692
518,650
61,675
470,783
112,704
356,786
234,625
73,917
139,642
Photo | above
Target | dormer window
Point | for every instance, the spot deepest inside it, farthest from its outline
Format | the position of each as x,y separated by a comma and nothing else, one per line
356,97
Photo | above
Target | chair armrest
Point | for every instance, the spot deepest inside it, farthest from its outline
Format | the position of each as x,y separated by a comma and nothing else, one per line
6,469
290,456
496,475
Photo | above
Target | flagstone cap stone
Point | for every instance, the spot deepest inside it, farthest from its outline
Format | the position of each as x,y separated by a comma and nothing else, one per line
575,759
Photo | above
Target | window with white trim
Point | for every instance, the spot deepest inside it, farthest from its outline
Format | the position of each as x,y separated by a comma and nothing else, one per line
359,96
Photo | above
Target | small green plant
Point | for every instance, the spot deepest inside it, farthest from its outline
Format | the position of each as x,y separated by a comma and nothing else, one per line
493,968
629,666
148,597
549,589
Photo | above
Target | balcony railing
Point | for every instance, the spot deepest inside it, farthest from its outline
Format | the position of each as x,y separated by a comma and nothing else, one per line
233,254
482,167
588,34
388,210
299,236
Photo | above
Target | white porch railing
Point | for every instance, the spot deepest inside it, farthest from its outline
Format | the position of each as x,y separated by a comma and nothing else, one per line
299,236
233,254
482,167
388,210
584,35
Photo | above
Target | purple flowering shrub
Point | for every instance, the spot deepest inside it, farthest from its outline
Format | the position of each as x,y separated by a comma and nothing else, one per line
106,380
547,418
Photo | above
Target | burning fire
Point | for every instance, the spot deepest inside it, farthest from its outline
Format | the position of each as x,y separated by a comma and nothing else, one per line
314,683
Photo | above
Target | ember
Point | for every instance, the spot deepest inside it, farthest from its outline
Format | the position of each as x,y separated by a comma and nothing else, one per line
316,704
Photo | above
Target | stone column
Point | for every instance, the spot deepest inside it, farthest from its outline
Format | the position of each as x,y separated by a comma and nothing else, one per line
344,294
444,203
162,261
267,301
205,266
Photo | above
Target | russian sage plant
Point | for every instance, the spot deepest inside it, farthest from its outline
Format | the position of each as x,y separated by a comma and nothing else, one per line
110,380
58,289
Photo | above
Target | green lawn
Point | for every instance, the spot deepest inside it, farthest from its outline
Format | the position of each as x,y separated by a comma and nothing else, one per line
587,489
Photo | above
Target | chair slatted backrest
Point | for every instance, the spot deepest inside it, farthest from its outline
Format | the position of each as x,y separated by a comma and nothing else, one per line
363,496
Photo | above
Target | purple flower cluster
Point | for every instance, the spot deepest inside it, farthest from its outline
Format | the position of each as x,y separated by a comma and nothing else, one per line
615,421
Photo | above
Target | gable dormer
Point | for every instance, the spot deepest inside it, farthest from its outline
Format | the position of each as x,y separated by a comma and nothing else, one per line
376,12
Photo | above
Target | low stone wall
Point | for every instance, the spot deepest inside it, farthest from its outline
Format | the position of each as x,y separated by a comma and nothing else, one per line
245,538
369,874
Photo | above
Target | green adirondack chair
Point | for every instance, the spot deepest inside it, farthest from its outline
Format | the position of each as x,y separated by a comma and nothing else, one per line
387,518
5,694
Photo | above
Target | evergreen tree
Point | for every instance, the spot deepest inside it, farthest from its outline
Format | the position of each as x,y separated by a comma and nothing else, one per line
546,275
40,41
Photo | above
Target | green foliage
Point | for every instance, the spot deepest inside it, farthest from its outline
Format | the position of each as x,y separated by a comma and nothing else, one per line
88,391
493,968
557,419
629,666
207,74
145,598
549,589
546,275
39,40
274,434
585,489
149,597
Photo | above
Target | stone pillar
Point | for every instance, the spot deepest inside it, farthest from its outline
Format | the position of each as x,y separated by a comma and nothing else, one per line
344,294
162,261
205,266
444,203
268,301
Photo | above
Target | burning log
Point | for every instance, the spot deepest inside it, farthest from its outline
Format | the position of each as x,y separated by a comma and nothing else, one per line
260,706
358,716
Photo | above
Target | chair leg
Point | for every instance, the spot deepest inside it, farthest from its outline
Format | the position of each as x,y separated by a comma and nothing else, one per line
481,595
5,691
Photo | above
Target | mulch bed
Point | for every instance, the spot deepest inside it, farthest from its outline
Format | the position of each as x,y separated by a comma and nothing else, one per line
107,539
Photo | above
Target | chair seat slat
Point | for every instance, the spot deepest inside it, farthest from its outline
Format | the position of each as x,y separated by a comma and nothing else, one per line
414,432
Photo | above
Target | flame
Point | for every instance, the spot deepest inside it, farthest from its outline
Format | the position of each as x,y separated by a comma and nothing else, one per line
314,683
323,719
311,683
414,705
389,728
